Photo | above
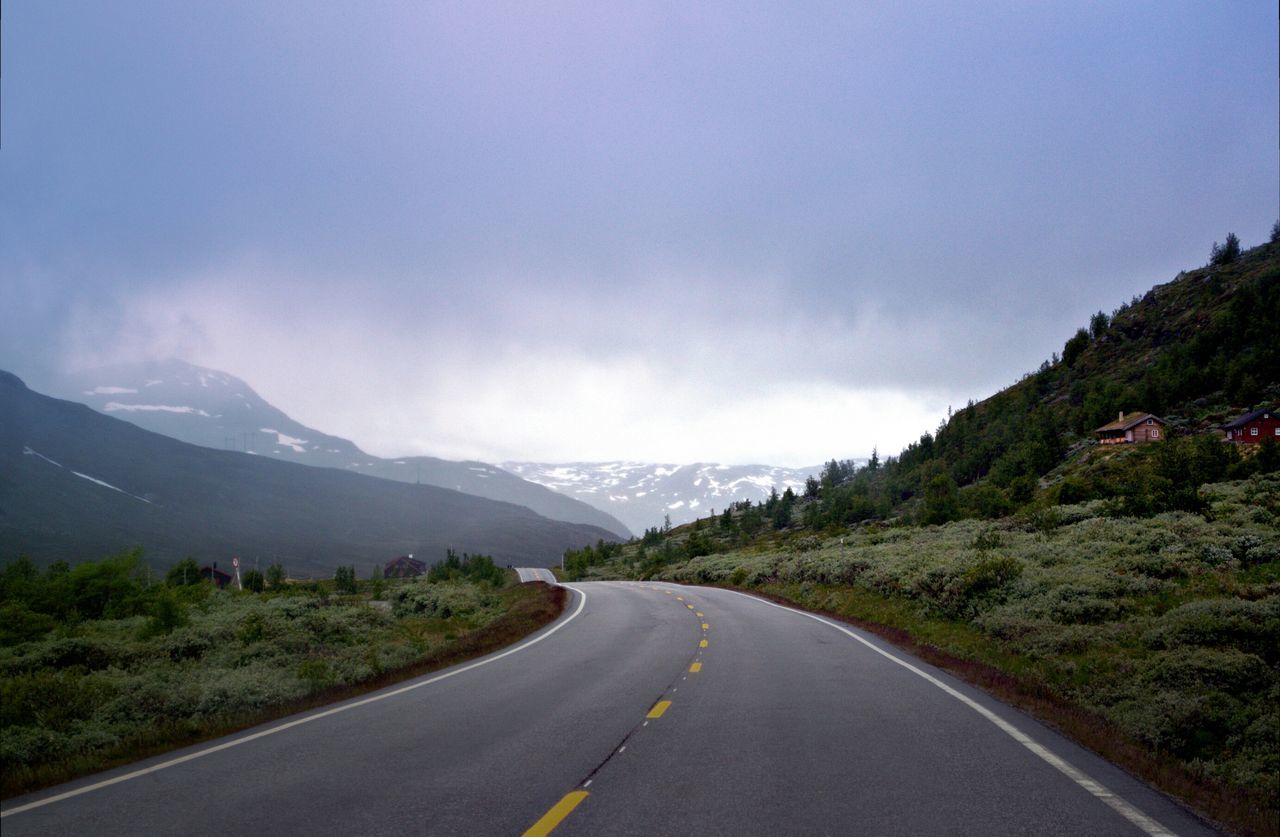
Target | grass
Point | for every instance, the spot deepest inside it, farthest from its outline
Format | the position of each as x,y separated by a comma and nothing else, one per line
75,705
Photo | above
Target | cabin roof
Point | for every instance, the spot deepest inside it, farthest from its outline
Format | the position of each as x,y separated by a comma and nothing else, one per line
1127,421
1247,418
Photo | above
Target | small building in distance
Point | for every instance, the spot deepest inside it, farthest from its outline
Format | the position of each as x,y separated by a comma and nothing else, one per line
406,566
219,578
1132,428
1254,426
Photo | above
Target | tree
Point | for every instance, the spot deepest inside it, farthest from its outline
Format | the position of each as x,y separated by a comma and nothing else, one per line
183,573
1275,232
1098,325
1225,253
275,576
344,579
941,499
166,614
254,581
1074,347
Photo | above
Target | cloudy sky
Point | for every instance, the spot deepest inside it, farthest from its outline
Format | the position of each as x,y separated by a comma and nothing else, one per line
742,232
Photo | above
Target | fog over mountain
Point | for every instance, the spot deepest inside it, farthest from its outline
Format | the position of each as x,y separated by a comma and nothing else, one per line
216,410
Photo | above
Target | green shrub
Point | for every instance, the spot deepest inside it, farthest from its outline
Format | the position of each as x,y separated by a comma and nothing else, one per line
443,600
1249,626
19,623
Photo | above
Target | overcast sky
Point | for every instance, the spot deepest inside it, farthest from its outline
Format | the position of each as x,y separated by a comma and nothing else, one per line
739,232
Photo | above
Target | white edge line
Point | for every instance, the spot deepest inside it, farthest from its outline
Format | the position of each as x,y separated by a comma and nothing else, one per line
1120,806
226,745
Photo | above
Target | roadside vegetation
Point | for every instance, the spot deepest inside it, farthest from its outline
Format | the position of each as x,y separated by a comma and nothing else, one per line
100,665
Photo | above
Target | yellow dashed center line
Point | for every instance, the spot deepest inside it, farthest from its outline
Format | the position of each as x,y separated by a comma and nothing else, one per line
689,606
698,613
658,708
705,626
695,668
679,598
702,644
558,812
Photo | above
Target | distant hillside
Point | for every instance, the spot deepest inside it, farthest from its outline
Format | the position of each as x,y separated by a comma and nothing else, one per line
1196,351
216,410
641,494
75,484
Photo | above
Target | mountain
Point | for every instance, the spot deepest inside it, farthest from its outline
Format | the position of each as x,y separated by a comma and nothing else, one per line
640,494
75,484
216,410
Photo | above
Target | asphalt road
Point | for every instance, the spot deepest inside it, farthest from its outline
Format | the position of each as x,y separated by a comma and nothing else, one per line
535,574
618,719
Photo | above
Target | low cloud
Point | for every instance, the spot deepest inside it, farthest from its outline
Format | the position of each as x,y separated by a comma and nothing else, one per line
537,376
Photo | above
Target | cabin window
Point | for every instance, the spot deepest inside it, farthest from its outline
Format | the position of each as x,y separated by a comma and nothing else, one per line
1155,434
1149,421
1253,431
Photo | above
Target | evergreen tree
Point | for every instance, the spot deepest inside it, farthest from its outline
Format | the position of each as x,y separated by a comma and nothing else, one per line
1225,253
275,576
254,581
344,579
183,573
941,499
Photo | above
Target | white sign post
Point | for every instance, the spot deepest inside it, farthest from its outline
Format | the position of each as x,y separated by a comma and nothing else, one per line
235,562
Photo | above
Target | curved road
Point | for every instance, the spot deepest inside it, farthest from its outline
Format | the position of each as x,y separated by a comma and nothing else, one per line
646,709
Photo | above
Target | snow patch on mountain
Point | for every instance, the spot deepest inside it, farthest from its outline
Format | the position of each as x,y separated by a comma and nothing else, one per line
27,451
117,407
111,391
284,440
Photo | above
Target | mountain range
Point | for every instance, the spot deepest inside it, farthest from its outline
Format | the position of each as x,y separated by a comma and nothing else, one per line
76,484
642,494
217,410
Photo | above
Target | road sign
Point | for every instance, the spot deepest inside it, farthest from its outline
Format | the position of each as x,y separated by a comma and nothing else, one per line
235,562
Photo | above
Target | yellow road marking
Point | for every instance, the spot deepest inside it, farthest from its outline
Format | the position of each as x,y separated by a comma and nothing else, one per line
558,812
658,709
679,598
705,626
698,613
695,668
702,644
689,606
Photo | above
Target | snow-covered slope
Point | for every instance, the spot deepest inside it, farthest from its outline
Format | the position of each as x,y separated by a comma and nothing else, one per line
640,494
216,410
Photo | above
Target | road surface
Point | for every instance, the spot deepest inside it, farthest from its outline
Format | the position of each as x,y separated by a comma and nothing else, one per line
646,709
535,574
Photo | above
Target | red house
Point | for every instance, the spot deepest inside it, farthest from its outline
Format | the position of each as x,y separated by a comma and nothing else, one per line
1252,427
217,576
406,566
1132,428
